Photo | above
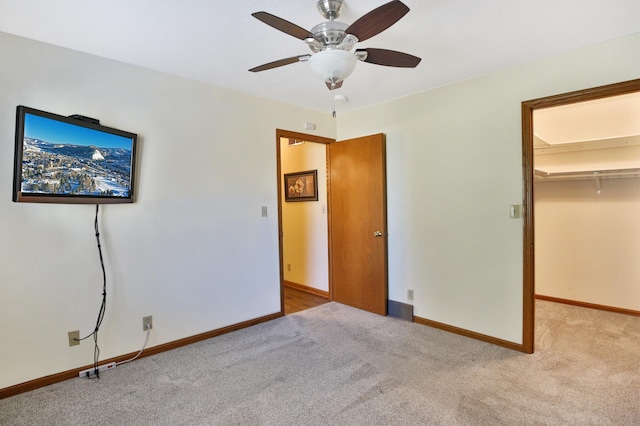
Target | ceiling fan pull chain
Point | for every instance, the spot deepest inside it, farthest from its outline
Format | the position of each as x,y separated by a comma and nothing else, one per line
333,99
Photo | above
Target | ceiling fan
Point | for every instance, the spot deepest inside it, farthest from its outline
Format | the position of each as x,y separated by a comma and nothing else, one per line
332,42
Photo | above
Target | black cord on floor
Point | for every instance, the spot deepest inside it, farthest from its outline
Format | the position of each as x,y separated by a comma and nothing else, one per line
103,306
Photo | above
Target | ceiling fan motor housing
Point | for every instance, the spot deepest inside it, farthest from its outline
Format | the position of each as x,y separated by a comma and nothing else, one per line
327,35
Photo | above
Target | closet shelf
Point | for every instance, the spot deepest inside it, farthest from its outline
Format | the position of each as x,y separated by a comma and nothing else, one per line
588,174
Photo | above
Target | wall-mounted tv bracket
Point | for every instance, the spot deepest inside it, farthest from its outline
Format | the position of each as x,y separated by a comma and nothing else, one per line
85,119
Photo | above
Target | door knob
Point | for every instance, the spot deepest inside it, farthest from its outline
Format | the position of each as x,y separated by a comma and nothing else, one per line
377,234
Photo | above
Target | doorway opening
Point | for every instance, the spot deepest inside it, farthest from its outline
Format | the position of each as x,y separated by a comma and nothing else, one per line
354,256
302,220
528,109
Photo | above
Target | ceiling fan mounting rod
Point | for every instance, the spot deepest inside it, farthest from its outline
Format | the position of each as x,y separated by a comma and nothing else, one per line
330,9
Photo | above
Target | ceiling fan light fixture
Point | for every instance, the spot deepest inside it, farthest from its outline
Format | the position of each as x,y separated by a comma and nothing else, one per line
334,65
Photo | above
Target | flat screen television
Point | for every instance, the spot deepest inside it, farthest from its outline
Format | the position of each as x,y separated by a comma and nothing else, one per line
71,160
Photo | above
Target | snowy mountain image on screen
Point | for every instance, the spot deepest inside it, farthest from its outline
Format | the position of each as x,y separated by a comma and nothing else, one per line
97,155
69,169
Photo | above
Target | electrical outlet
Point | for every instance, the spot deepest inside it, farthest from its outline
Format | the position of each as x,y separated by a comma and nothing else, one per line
147,323
410,294
288,267
74,338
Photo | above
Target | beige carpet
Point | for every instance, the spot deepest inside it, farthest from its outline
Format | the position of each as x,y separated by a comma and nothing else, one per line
334,365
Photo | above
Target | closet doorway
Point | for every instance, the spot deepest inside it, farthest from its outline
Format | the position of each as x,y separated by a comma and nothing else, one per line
587,203
529,173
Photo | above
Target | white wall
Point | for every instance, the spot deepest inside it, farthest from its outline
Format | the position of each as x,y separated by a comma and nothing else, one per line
193,251
454,165
304,224
588,245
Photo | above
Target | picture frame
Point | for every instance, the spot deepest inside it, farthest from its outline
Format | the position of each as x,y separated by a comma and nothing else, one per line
301,186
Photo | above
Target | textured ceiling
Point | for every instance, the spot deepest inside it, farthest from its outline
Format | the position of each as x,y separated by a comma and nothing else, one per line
217,41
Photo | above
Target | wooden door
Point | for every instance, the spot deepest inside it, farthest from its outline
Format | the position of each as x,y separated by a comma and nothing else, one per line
358,223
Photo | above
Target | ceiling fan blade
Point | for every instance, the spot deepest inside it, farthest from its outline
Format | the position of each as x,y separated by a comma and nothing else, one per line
280,63
389,58
282,25
335,86
378,20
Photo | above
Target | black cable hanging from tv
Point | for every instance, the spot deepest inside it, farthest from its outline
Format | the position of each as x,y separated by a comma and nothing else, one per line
103,306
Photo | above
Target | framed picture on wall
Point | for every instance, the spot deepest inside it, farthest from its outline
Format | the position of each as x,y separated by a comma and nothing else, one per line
301,186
